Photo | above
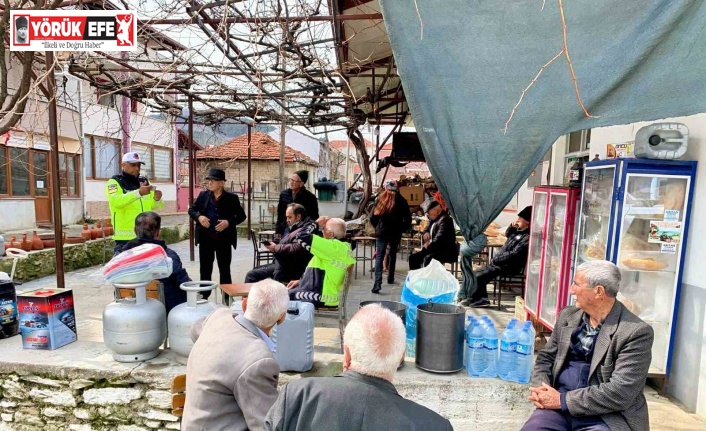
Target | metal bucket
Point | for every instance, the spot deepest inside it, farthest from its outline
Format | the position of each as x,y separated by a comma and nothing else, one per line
440,337
396,307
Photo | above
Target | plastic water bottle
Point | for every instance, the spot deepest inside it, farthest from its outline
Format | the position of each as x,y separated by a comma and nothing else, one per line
508,347
525,353
476,352
465,342
490,341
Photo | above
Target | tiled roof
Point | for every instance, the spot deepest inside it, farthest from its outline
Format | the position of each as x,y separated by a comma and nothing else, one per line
264,147
339,144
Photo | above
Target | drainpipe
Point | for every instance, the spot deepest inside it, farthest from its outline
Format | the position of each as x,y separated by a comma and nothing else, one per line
82,137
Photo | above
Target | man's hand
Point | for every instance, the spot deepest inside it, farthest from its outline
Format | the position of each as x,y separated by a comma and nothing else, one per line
321,221
270,246
222,225
292,284
145,189
157,195
205,222
426,238
545,397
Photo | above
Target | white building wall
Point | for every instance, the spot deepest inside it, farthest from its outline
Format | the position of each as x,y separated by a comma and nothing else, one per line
687,381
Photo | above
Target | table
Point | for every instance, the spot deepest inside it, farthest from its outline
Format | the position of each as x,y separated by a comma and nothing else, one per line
235,289
363,242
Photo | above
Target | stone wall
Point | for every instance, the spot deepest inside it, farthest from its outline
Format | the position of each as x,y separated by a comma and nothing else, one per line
52,403
76,256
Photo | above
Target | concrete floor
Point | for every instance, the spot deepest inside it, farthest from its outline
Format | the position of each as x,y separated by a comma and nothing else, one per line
91,295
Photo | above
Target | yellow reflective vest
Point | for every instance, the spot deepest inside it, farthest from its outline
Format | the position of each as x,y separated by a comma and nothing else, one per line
125,206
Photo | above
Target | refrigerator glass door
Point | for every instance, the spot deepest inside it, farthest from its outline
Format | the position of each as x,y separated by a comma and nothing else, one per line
534,258
649,253
595,221
553,258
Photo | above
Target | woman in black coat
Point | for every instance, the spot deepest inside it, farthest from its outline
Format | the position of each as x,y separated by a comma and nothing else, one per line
391,217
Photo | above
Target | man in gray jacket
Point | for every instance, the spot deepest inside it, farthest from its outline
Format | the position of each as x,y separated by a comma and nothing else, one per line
231,376
363,397
591,374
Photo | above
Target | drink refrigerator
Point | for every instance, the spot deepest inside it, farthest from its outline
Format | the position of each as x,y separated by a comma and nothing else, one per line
551,244
635,213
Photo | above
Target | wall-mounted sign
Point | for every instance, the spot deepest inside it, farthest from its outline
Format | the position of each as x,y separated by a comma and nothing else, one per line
620,151
39,144
17,140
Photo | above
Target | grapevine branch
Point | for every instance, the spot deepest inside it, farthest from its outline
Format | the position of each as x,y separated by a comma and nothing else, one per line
565,52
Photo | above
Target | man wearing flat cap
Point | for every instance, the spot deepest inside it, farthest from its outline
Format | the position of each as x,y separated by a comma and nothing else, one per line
438,239
217,213
296,194
510,260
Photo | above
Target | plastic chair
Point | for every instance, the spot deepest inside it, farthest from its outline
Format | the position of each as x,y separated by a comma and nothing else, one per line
340,311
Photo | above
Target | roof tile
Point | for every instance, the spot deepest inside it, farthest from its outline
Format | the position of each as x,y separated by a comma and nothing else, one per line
264,147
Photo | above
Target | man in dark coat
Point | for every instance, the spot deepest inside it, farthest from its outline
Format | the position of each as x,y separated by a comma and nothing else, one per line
510,260
290,255
363,397
217,213
296,194
438,240
147,230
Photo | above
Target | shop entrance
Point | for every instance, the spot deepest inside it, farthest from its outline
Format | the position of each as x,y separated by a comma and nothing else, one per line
42,189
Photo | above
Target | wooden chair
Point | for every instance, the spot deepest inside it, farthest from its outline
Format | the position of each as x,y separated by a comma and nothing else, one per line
340,311
260,257
155,290
508,282
178,394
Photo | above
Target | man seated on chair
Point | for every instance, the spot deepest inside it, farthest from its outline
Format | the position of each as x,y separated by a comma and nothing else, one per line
324,276
591,375
147,230
438,239
362,398
290,256
511,259
232,375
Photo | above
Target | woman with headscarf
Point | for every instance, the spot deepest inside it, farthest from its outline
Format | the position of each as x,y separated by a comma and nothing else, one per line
391,217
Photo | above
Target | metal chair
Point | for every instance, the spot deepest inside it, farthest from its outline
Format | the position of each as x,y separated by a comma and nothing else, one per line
508,282
260,257
340,311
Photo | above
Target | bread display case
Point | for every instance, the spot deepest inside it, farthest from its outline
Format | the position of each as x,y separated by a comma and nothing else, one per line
549,262
635,213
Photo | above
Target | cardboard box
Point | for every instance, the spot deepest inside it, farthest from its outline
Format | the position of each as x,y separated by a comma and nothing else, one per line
413,194
47,318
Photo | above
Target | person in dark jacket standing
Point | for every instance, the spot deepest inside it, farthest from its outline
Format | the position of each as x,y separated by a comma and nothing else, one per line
391,217
217,213
510,260
438,240
295,194
147,229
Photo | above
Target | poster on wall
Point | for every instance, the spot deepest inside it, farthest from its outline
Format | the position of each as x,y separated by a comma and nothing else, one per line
664,232
620,151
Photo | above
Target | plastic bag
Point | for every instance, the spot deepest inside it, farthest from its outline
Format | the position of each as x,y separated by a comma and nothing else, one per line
138,265
432,283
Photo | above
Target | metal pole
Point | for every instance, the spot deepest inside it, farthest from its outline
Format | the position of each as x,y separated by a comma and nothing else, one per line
192,172
54,159
249,188
126,109
345,182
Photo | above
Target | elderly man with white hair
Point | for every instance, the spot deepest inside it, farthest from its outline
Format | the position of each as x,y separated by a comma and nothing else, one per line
232,375
591,374
326,271
363,397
